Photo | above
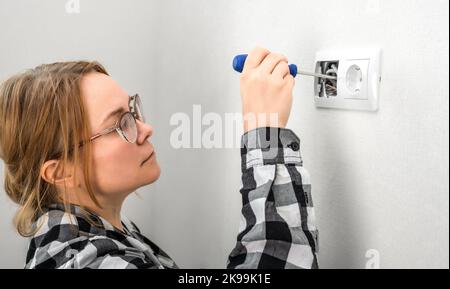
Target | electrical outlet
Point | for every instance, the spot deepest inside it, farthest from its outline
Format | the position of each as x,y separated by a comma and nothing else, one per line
358,76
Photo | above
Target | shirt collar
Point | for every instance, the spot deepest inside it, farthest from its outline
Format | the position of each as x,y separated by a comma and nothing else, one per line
84,214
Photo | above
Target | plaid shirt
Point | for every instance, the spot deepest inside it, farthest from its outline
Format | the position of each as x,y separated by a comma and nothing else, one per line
277,228
68,240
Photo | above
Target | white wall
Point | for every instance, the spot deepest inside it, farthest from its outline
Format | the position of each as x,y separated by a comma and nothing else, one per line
379,180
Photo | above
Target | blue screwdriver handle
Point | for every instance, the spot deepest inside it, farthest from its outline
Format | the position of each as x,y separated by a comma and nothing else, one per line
239,61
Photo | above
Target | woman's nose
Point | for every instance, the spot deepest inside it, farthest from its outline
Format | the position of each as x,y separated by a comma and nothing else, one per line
144,131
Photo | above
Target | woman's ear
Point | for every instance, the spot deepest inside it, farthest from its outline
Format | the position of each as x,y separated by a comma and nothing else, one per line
53,173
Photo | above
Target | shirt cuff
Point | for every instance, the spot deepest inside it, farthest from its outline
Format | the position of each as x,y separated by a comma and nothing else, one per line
268,146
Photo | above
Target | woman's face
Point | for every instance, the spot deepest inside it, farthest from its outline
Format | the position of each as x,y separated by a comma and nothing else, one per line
118,167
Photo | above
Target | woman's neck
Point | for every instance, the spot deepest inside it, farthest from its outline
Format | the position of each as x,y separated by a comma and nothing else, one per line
110,210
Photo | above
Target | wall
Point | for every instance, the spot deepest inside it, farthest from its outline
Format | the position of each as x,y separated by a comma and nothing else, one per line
379,180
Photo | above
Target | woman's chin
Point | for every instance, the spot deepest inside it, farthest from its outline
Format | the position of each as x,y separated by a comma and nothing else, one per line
158,172
154,173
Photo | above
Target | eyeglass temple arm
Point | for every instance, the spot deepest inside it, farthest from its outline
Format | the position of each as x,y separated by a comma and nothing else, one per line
103,132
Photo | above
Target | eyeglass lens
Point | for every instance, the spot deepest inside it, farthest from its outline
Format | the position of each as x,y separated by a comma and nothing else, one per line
128,123
128,127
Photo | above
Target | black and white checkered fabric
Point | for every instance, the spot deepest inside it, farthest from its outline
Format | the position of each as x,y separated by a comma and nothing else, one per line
68,240
277,228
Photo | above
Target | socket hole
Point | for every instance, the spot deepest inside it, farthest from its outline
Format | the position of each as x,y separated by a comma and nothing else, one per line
353,79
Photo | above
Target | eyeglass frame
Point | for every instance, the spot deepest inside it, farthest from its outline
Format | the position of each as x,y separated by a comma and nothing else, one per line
116,127
132,101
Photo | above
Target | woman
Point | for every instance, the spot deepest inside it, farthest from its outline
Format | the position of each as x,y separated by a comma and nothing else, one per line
68,130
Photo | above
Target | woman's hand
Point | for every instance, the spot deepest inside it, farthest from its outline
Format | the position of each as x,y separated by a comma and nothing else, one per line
266,89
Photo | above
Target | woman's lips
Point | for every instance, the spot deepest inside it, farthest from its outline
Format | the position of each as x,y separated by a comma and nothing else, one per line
147,158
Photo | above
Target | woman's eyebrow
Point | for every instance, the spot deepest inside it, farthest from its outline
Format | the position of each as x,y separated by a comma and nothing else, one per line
113,113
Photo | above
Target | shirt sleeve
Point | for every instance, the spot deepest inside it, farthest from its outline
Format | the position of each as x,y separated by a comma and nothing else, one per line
277,227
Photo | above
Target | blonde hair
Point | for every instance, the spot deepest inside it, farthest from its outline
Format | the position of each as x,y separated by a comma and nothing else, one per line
43,117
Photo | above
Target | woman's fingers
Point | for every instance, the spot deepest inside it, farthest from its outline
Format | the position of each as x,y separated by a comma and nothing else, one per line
255,57
281,70
271,61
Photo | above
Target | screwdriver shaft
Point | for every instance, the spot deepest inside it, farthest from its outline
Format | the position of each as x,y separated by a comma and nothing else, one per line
316,74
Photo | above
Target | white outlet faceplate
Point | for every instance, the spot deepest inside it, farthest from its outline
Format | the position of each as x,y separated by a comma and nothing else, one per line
358,79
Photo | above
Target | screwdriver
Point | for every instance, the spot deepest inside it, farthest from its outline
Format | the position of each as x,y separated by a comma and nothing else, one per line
239,60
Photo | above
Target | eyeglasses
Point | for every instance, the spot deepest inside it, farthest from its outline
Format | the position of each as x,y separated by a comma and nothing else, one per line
126,125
